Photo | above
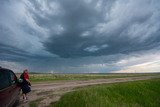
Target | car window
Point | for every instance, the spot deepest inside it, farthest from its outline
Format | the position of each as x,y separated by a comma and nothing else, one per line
12,77
4,80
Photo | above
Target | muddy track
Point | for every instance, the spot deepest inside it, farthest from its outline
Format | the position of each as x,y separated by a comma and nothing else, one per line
45,93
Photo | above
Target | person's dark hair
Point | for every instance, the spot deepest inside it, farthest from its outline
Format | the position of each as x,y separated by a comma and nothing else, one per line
26,70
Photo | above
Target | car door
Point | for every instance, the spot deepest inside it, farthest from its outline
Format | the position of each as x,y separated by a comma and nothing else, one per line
5,89
15,94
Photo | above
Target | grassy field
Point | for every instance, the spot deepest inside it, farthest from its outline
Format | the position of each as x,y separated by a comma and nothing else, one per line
130,94
57,77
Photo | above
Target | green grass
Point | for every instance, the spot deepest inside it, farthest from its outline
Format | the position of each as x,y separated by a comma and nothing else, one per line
131,94
58,77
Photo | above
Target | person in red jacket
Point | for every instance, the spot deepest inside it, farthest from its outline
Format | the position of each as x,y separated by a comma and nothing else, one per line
25,85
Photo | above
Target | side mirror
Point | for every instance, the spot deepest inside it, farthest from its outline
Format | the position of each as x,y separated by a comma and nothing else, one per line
20,80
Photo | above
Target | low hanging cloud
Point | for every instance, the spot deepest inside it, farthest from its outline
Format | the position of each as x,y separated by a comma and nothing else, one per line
95,48
127,26
78,34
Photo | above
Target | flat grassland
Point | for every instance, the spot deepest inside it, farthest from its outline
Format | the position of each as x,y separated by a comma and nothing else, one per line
38,78
94,90
144,93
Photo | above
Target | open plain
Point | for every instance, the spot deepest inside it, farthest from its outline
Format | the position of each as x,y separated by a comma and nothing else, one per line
46,92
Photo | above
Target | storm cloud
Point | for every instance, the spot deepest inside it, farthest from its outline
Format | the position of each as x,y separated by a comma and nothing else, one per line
79,36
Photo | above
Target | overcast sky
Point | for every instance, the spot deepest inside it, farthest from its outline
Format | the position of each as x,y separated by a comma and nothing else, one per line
80,36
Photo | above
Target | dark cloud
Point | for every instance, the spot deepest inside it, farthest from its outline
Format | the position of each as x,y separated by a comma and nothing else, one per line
84,18
77,35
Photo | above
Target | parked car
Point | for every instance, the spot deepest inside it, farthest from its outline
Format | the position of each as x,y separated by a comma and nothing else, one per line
9,89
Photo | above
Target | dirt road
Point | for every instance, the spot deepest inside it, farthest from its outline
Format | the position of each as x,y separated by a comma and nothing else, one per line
45,93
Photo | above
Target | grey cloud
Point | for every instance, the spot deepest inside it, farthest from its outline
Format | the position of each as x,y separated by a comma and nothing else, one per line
95,48
10,53
76,34
20,36
116,32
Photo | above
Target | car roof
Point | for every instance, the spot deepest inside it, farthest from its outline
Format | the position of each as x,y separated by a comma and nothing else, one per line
4,69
